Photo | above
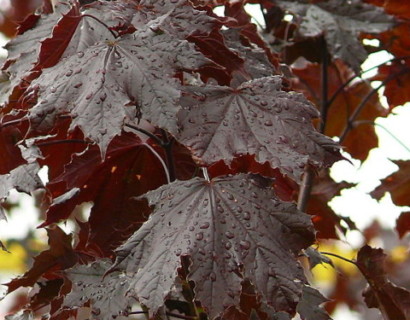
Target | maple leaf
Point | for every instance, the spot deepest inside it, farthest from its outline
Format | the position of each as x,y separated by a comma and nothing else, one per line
398,184
97,84
24,178
393,301
309,306
256,62
232,228
10,156
177,18
24,50
111,185
396,75
340,22
403,224
257,118
59,256
107,295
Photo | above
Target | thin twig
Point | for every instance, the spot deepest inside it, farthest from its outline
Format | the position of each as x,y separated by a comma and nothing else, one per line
160,160
12,122
324,88
147,133
348,81
103,23
49,143
168,146
337,256
363,103
359,122
307,183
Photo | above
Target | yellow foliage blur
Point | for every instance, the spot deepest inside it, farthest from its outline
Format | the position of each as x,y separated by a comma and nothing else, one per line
15,260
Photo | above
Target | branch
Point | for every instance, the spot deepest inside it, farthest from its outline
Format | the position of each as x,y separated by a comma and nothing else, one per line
324,88
49,143
307,183
344,85
363,103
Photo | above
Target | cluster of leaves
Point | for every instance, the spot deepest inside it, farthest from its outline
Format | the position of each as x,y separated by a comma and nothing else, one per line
186,132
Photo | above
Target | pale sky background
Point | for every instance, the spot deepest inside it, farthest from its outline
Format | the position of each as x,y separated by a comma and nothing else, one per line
355,203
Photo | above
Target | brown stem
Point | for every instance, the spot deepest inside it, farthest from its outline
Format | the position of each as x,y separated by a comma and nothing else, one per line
168,146
103,23
147,133
49,143
339,257
307,183
12,122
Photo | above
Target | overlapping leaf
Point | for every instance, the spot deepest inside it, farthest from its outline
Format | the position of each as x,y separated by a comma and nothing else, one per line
256,62
59,256
232,228
340,22
106,295
176,18
24,50
393,301
398,184
24,178
309,307
111,185
257,118
403,224
97,84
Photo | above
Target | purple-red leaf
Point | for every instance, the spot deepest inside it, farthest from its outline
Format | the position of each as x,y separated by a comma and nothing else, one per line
113,80
391,300
24,50
107,295
340,22
403,223
59,256
232,228
309,306
24,178
257,118
398,184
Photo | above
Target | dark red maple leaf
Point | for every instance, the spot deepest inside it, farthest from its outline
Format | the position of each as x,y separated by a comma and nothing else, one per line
393,301
398,184
257,118
232,228
111,185
59,256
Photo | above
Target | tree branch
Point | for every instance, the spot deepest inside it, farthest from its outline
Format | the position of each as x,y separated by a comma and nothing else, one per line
307,183
363,103
346,83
